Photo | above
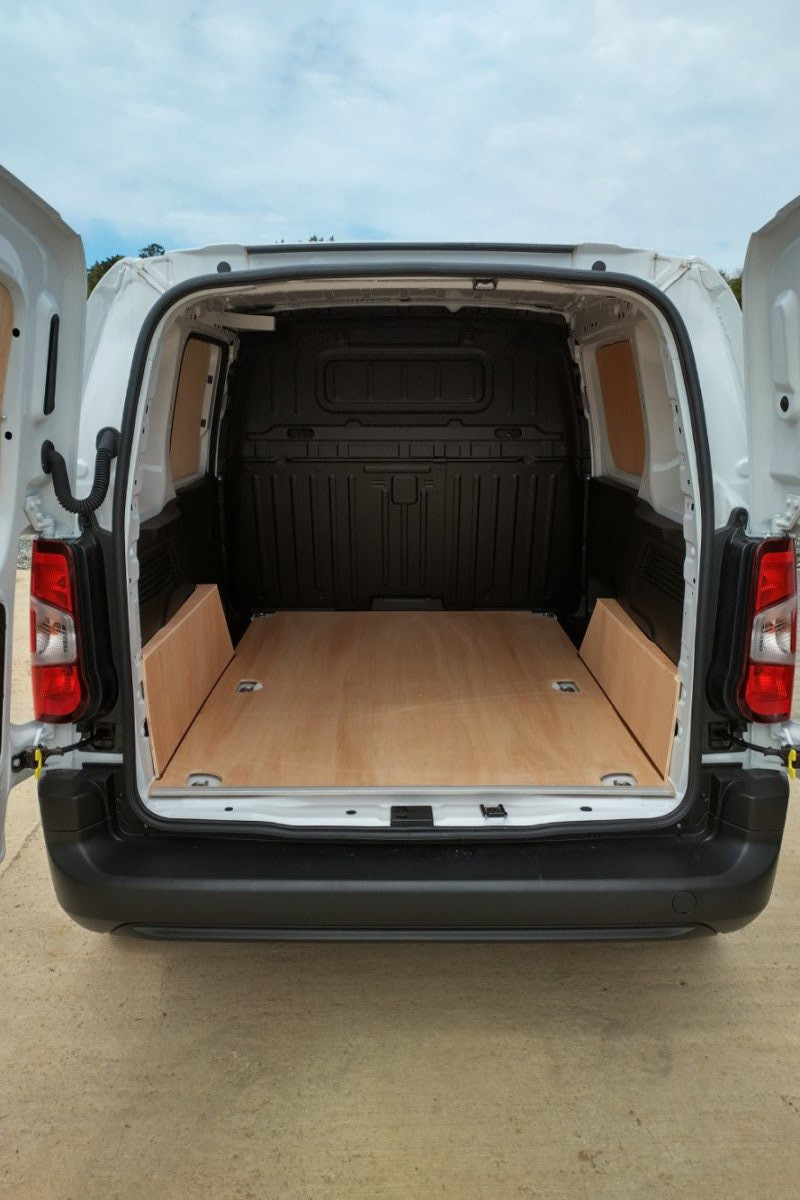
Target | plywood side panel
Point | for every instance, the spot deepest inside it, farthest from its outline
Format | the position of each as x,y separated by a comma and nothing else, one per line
180,665
395,699
638,678
184,442
622,405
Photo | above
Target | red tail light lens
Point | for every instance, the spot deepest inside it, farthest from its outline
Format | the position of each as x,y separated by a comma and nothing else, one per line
51,579
765,691
776,577
59,691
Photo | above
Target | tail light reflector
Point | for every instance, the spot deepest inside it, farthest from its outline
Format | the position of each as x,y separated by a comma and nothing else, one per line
765,690
59,690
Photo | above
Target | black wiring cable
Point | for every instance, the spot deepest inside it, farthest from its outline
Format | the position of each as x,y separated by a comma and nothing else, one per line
53,464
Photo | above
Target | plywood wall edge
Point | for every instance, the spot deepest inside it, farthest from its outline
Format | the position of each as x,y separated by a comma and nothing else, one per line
632,630
636,676
181,664
163,634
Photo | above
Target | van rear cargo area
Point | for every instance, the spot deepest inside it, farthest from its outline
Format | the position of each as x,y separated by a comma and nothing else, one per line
407,699
407,548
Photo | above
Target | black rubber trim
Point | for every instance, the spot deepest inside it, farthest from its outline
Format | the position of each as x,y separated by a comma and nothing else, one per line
731,637
416,247
232,933
54,464
601,281
49,401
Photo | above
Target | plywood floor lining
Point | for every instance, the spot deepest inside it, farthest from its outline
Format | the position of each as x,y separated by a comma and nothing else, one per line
395,699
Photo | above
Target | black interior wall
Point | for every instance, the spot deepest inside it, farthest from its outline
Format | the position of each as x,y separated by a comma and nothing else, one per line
636,555
405,456
179,548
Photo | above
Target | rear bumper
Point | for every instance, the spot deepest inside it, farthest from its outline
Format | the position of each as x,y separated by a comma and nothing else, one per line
666,884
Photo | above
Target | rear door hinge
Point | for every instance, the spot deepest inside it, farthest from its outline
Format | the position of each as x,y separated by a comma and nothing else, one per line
787,521
39,520
789,735
33,758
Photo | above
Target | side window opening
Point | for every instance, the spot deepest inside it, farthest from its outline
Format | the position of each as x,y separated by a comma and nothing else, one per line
194,395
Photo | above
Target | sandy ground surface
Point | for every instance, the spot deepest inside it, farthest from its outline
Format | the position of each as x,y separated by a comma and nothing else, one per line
251,1071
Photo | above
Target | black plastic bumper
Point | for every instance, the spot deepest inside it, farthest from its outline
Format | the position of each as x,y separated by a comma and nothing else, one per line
672,883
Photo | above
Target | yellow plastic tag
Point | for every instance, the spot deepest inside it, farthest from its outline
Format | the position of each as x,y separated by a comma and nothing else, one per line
790,764
38,759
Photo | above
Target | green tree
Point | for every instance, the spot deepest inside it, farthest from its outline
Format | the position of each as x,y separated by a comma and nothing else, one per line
98,269
734,282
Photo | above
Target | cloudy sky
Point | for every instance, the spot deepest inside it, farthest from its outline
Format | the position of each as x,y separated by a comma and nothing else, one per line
673,126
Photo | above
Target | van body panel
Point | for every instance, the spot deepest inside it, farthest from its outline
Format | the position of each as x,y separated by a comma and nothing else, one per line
771,304
42,305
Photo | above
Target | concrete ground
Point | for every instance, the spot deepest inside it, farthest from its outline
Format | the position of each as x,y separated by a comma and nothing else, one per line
251,1071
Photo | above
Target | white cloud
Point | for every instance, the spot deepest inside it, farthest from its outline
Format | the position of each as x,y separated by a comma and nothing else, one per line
194,122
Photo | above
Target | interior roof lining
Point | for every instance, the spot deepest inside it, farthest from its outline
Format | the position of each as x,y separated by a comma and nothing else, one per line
386,306
555,299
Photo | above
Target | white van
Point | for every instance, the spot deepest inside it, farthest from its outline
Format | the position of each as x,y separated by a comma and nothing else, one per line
429,591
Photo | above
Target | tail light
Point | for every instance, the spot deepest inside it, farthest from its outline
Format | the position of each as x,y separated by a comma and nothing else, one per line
765,689
59,689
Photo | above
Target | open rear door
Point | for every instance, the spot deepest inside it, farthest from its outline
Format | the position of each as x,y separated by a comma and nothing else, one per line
42,306
771,303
